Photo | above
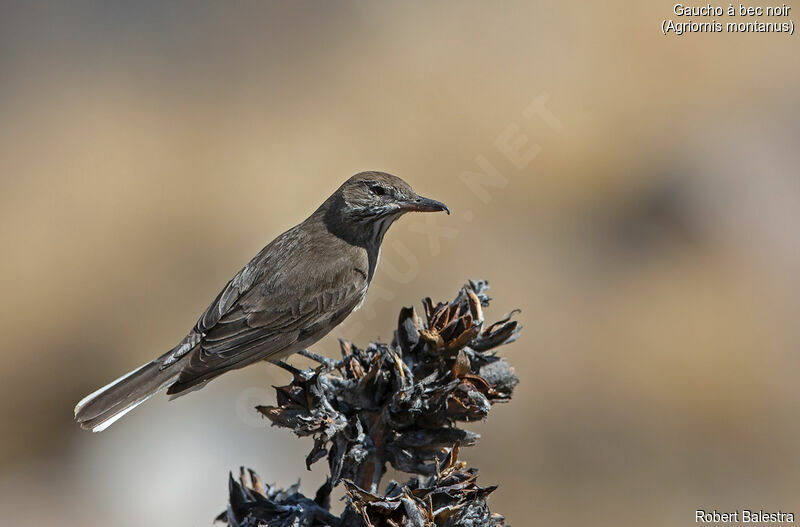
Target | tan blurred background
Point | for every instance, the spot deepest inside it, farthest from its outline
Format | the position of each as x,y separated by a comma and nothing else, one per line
147,151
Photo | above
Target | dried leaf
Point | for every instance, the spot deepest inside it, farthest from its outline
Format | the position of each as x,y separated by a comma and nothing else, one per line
461,366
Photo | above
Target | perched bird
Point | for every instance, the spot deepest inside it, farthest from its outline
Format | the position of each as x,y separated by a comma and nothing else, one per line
297,289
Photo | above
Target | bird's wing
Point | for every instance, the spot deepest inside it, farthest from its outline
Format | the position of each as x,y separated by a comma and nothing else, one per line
253,331
261,314
224,303
257,318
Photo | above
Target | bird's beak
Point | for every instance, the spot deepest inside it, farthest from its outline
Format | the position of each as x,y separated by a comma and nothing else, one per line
420,204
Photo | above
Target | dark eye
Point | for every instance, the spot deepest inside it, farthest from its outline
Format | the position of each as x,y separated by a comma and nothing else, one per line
377,190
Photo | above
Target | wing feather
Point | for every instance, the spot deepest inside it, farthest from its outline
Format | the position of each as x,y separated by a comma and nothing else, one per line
273,307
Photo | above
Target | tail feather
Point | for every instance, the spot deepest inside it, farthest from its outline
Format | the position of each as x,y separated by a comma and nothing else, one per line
99,410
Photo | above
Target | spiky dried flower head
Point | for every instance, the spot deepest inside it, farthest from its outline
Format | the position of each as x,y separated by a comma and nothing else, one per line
399,403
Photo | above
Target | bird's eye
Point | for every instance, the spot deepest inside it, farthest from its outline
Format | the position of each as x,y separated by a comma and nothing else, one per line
377,190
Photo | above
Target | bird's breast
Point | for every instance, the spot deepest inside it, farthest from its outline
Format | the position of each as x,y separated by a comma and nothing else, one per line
361,302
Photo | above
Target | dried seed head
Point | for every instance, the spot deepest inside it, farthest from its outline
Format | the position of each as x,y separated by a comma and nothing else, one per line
396,403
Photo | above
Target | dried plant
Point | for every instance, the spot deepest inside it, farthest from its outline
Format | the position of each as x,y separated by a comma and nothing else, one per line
394,404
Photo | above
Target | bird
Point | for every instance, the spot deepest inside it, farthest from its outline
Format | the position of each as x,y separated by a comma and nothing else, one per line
291,294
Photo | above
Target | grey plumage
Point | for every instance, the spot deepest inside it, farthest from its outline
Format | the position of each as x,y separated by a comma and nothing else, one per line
290,295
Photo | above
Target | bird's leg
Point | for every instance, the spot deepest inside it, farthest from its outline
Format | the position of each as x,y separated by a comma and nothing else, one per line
330,363
286,366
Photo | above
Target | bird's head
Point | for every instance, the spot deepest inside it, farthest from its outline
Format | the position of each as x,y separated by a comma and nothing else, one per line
370,201
376,195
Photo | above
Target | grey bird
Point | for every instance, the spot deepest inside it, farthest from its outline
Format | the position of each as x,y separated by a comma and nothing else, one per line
297,289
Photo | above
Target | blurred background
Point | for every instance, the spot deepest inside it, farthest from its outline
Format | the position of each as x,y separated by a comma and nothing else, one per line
636,195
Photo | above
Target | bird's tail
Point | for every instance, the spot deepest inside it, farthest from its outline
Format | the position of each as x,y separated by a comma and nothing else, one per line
97,411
